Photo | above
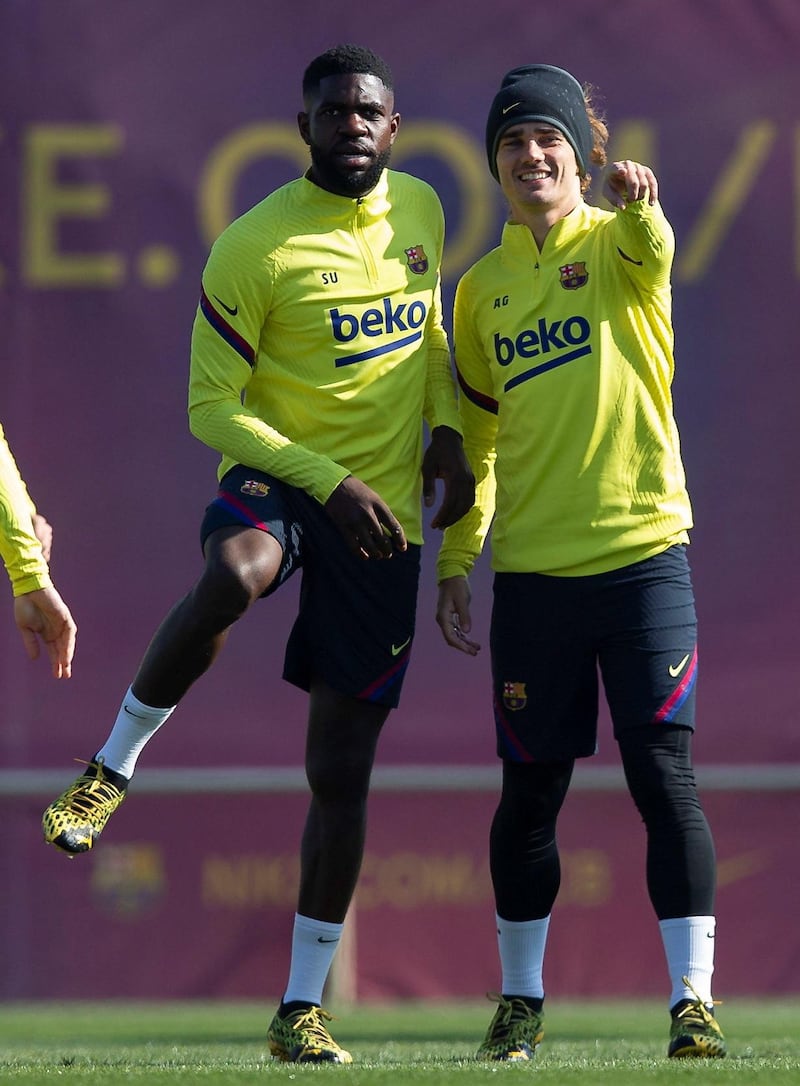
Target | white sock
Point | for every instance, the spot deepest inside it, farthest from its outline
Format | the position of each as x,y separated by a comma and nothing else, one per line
135,725
314,944
689,947
521,945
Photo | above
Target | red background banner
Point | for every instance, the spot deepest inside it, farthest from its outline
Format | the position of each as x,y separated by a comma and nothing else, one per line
194,897
130,135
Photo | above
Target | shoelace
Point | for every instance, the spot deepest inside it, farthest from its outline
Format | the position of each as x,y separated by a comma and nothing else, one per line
311,1021
508,1012
88,795
697,1013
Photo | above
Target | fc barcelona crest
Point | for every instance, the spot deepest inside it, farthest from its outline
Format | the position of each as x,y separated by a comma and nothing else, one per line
573,276
255,488
515,696
129,879
417,260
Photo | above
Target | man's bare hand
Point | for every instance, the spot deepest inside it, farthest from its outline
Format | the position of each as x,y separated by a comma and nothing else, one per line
628,181
368,525
44,615
444,459
453,615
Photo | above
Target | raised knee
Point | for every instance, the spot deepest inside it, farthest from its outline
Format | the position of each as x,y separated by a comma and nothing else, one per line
233,585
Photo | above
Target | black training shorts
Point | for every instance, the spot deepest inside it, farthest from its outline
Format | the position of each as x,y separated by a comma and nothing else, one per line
355,624
550,635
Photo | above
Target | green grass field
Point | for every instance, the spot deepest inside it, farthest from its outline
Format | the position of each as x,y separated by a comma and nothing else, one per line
614,1043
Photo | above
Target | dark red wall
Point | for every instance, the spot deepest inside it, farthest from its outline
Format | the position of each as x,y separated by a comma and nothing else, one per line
161,122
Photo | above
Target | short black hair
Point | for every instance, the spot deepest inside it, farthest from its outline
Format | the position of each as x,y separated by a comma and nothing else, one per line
346,60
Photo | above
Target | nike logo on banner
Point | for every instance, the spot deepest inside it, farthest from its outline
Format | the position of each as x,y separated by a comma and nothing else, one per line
509,108
676,669
397,649
321,939
227,308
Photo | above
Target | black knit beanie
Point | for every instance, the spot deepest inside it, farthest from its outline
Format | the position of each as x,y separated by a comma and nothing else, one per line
540,92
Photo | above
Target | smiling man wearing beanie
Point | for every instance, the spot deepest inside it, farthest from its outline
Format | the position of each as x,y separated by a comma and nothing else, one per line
564,350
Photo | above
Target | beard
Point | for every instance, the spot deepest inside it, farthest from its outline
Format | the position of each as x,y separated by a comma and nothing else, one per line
329,174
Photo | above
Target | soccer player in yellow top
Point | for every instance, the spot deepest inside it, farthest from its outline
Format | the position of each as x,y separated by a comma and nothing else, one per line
564,351
39,611
318,349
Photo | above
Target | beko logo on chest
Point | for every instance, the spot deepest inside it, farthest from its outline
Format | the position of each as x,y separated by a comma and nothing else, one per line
547,336
396,324
378,322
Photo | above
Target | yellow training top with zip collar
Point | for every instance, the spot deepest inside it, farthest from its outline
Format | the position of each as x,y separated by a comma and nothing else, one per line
318,343
565,361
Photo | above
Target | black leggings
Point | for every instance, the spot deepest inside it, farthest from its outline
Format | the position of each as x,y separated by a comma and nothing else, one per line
681,865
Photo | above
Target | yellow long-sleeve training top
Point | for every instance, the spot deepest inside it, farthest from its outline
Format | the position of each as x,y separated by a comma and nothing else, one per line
318,344
565,362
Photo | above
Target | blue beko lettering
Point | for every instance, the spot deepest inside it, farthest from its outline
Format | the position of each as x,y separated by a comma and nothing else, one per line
576,330
397,324
394,317
546,338
549,335
372,323
503,349
417,314
345,326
